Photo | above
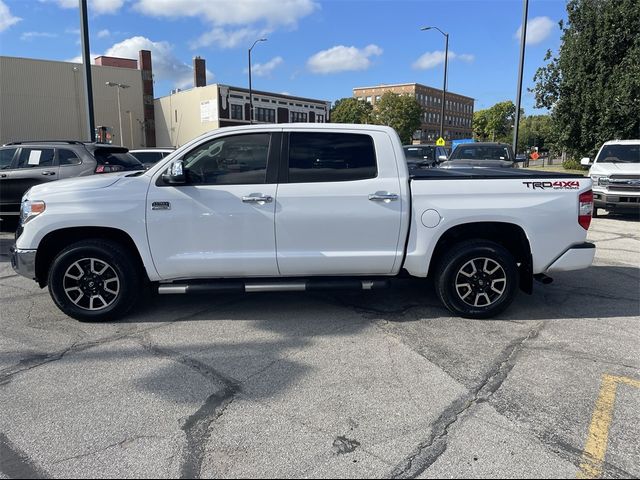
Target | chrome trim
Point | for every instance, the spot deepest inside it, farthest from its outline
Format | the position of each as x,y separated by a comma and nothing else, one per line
386,197
170,289
275,287
24,262
367,285
257,199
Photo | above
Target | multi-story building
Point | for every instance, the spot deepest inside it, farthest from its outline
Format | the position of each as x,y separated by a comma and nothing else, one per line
45,100
186,114
458,111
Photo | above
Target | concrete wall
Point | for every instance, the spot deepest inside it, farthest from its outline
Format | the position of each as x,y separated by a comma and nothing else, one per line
45,100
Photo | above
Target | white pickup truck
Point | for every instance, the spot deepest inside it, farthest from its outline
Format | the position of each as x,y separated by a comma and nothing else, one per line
300,207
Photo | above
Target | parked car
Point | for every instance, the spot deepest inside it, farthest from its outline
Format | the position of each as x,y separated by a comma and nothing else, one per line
26,164
481,154
300,207
616,176
424,156
151,156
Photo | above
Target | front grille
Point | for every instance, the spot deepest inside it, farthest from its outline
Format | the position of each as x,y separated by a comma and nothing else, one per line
624,183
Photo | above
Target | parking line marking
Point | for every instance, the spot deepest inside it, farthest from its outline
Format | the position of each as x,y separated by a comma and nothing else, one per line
595,447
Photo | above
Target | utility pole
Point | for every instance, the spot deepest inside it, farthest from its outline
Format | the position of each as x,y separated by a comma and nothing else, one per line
523,39
444,86
86,60
118,87
250,91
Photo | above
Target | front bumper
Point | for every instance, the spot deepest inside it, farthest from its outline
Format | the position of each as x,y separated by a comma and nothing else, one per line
24,262
615,201
575,258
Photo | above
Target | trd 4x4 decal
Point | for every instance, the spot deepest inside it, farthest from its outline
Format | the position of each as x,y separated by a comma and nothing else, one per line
557,185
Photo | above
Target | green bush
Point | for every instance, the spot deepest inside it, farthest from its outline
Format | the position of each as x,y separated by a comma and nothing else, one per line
571,164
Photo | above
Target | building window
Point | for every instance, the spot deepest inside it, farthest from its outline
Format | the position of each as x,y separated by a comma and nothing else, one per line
320,118
265,115
297,117
236,112
377,98
368,99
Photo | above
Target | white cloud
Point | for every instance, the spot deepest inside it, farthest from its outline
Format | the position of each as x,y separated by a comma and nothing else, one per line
6,19
226,38
341,59
433,59
538,29
104,33
94,6
265,69
231,12
32,35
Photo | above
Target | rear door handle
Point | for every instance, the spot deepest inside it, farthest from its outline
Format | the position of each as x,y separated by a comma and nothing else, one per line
258,198
383,197
48,172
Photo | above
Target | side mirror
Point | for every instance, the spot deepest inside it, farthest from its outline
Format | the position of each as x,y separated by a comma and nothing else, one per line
442,158
585,162
175,174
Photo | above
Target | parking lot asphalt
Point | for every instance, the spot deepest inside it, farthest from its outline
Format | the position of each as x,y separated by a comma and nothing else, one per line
378,384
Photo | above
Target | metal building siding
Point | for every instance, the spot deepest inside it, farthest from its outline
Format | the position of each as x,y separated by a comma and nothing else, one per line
42,99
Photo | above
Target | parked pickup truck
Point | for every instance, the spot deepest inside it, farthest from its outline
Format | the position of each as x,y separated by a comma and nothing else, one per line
299,207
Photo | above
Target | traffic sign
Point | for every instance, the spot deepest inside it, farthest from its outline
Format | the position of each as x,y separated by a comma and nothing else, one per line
534,156
440,142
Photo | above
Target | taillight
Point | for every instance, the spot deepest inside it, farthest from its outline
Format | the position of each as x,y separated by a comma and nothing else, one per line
109,168
585,209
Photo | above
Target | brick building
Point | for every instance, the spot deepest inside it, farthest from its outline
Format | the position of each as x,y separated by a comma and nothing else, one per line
458,119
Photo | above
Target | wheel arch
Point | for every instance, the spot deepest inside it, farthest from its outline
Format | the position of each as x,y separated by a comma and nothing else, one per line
509,235
54,242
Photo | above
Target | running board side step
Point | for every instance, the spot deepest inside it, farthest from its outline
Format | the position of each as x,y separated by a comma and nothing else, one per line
274,286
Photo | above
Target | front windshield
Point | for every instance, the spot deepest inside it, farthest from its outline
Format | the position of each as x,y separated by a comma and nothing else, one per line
480,152
619,154
420,153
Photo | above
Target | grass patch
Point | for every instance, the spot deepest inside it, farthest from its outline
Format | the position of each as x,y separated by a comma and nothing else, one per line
558,169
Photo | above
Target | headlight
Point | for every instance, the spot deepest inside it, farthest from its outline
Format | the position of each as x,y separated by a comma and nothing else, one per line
600,180
30,209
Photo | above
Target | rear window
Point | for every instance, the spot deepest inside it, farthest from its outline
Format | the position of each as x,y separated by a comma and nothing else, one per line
330,157
148,157
420,153
115,157
620,154
480,152
6,155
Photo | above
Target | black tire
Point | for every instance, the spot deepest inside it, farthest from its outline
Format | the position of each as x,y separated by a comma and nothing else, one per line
94,281
477,279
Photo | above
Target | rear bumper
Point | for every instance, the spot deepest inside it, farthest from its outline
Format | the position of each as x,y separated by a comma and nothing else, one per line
575,258
24,262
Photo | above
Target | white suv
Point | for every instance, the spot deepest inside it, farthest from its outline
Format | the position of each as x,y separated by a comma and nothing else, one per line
616,176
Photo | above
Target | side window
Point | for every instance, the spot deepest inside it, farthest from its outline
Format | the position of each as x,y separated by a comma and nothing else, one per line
6,155
68,157
35,158
235,160
330,157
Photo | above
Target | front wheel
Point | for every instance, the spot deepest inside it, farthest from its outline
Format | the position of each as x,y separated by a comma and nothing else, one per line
477,279
94,280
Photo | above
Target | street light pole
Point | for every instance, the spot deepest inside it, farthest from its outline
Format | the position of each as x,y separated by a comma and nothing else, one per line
520,70
444,86
118,87
250,91
131,127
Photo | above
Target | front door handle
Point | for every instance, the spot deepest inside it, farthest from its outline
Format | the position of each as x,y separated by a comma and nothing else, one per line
48,172
258,198
383,197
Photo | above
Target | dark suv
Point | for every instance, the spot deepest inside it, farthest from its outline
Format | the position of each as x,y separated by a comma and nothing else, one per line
25,164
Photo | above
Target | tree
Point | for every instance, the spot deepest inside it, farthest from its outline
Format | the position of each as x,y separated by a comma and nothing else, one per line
537,131
351,110
495,123
401,112
593,85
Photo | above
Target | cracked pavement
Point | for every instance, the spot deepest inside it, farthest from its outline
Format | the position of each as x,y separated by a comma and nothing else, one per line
355,384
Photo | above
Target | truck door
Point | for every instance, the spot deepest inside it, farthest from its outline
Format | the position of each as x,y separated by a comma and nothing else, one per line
221,222
339,208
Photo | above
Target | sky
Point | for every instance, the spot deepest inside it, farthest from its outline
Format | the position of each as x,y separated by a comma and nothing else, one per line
315,48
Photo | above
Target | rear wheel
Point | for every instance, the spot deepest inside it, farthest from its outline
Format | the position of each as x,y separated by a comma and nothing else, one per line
94,280
477,279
